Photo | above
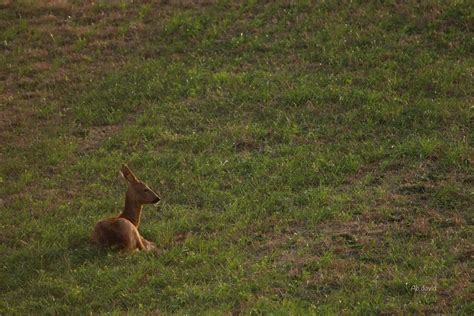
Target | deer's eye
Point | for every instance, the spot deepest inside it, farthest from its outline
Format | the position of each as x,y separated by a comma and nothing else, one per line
146,190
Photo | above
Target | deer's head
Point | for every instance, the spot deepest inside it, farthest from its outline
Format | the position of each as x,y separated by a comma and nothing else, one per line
137,190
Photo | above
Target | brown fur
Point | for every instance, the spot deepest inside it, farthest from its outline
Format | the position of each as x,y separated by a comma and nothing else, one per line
122,231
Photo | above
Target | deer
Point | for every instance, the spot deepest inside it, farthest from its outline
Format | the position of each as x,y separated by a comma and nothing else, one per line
122,231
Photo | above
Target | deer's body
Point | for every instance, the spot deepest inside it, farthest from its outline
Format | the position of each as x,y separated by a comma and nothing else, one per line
118,232
122,231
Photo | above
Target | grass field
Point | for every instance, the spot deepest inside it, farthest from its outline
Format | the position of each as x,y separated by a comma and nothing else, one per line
312,156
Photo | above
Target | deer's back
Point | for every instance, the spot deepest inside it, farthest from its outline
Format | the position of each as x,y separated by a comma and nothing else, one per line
116,231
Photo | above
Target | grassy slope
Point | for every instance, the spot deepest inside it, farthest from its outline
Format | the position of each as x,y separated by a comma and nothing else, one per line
310,156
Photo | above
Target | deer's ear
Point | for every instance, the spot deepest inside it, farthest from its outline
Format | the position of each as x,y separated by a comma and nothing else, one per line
128,174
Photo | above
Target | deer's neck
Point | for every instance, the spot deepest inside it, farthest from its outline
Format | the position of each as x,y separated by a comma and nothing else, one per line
132,210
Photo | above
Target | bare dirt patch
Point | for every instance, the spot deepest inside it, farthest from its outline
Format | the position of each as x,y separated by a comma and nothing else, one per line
97,135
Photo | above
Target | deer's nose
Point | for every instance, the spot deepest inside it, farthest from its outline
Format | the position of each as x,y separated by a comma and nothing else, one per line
156,200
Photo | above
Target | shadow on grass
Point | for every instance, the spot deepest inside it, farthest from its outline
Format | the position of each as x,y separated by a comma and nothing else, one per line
25,265
82,250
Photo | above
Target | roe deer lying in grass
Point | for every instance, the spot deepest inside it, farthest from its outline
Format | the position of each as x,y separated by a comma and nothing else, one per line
122,231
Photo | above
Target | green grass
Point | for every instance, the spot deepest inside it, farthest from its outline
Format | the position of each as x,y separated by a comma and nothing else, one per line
312,157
